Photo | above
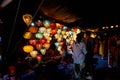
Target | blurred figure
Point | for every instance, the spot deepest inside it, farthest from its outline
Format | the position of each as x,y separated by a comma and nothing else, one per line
79,52
90,45
11,74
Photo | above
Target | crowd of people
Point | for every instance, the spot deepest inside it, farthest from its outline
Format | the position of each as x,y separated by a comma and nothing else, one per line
76,64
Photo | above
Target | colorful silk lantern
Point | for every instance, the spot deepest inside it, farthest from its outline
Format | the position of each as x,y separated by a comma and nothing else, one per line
27,35
39,57
28,48
38,46
33,41
54,31
46,45
46,23
43,51
52,25
33,53
27,19
38,35
33,29
42,29
43,40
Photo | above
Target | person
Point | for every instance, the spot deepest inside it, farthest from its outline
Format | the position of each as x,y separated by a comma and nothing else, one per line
90,45
11,74
79,52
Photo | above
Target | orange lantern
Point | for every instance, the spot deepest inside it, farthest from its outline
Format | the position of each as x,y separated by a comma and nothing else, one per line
54,31
27,35
33,29
47,45
28,48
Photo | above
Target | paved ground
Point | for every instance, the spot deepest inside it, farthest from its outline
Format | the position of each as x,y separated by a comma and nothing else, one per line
103,72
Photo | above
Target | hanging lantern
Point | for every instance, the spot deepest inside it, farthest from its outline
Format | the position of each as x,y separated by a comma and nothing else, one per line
33,29
49,30
43,51
46,45
39,57
33,41
46,23
63,32
46,34
27,19
28,48
27,35
33,53
39,35
52,25
54,31
59,31
43,40
42,29
38,46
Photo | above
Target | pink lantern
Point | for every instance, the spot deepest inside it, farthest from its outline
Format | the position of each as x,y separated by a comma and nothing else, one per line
33,41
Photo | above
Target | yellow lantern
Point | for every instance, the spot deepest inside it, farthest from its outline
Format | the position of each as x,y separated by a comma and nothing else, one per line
27,35
33,53
28,48
47,45
27,19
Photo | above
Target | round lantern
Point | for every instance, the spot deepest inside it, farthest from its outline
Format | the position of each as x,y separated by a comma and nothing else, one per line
33,29
33,53
33,41
39,35
38,46
28,48
39,57
52,25
54,31
43,51
58,25
27,35
43,40
27,19
42,29
46,23
46,45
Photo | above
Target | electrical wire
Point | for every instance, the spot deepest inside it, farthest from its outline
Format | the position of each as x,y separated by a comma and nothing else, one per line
13,26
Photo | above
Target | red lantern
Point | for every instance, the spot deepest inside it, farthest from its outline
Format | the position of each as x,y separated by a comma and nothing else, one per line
52,25
38,46
43,40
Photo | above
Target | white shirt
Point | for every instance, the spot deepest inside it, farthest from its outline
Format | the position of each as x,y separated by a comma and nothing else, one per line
79,52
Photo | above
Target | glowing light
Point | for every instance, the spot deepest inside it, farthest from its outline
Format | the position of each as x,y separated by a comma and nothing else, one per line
28,48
